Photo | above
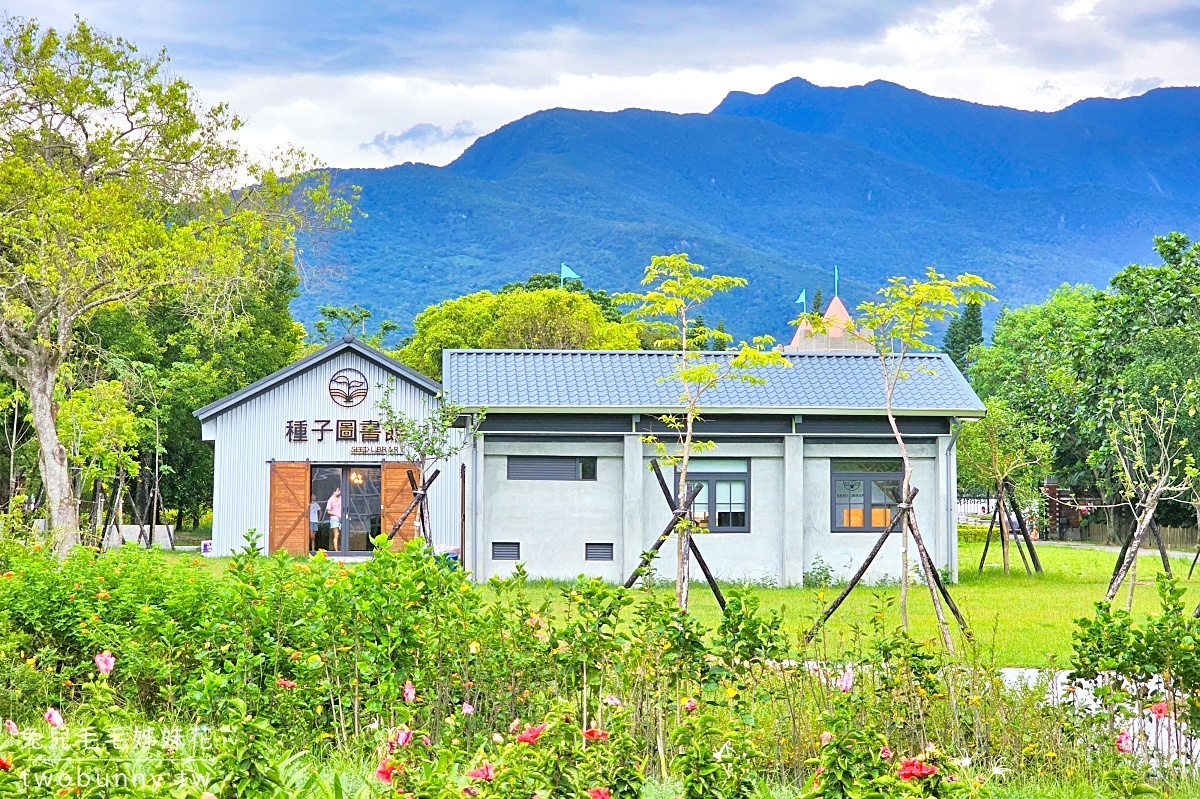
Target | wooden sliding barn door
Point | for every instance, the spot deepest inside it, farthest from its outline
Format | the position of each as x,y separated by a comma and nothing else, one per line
396,494
289,508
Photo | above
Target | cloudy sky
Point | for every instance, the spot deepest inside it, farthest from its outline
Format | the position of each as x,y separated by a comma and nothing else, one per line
377,83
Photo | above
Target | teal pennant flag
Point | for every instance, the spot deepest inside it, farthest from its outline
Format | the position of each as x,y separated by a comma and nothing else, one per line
566,273
803,299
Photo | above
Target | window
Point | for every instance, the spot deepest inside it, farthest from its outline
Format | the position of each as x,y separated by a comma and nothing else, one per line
723,504
865,494
551,467
506,550
597,551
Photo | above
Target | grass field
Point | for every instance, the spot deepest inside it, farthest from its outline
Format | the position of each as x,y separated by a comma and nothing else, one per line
1018,620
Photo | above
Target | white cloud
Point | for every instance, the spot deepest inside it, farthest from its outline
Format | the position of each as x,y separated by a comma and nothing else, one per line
1031,54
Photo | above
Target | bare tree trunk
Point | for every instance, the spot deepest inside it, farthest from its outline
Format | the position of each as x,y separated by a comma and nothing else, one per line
1005,531
683,568
1143,524
12,453
56,473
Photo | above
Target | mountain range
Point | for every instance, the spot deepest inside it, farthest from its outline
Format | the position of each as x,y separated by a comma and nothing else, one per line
877,179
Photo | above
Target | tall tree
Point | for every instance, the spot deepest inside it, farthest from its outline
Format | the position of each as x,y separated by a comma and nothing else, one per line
115,183
337,321
964,333
677,292
896,326
1002,451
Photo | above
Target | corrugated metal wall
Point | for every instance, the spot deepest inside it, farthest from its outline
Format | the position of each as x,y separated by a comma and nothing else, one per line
251,435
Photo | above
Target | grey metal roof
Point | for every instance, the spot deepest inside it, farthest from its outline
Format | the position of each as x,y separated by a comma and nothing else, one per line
592,379
308,362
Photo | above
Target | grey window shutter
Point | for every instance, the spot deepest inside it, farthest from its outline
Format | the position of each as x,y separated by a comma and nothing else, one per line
598,552
506,550
542,467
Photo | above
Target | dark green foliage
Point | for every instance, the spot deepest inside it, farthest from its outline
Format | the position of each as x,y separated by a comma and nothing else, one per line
336,322
963,333
744,196
549,280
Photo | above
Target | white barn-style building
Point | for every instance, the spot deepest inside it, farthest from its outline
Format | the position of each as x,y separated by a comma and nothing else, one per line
286,442
804,473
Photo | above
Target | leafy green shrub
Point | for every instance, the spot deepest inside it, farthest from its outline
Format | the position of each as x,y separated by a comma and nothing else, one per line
972,533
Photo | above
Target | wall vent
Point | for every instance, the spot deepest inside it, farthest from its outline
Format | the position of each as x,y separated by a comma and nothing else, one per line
598,552
506,550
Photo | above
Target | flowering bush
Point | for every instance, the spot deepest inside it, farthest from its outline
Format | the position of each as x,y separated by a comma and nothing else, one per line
409,677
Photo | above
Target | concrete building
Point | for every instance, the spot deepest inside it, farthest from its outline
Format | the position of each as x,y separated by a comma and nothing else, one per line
804,472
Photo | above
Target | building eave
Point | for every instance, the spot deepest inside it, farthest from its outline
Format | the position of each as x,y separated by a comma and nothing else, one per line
311,361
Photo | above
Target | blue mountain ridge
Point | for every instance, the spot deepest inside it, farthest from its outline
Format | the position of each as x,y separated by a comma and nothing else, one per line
778,188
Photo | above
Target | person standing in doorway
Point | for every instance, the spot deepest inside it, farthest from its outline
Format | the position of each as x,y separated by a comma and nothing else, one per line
333,509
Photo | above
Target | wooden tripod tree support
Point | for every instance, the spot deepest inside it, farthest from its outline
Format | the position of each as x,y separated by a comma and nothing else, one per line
937,587
418,501
1134,541
1004,501
678,513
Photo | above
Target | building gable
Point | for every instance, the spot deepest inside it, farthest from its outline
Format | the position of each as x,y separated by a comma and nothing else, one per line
307,364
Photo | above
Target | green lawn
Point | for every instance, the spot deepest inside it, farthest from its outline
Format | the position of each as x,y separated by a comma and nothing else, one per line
1018,620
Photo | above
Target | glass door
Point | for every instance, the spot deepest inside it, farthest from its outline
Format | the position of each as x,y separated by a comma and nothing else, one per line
362,507
344,508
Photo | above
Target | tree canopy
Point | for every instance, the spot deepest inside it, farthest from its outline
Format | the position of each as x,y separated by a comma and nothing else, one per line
516,318
117,184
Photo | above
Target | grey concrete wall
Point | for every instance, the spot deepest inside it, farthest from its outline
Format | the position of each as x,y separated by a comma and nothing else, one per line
753,556
790,511
845,552
552,520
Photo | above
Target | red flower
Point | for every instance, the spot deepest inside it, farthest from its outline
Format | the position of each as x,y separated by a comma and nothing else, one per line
599,793
486,771
282,683
1160,710
885,753
531,734
914,769
5,764
595,735
385,771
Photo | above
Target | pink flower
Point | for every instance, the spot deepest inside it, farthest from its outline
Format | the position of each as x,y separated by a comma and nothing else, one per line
385,771
486,771
914,768
399,738
1124,742
886,753
1160,710
595,735
105,662
689,706
53,717
11,726
531,734
612,701
826,737
282,683
846,681
425,740
468,709
599,793
410,691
